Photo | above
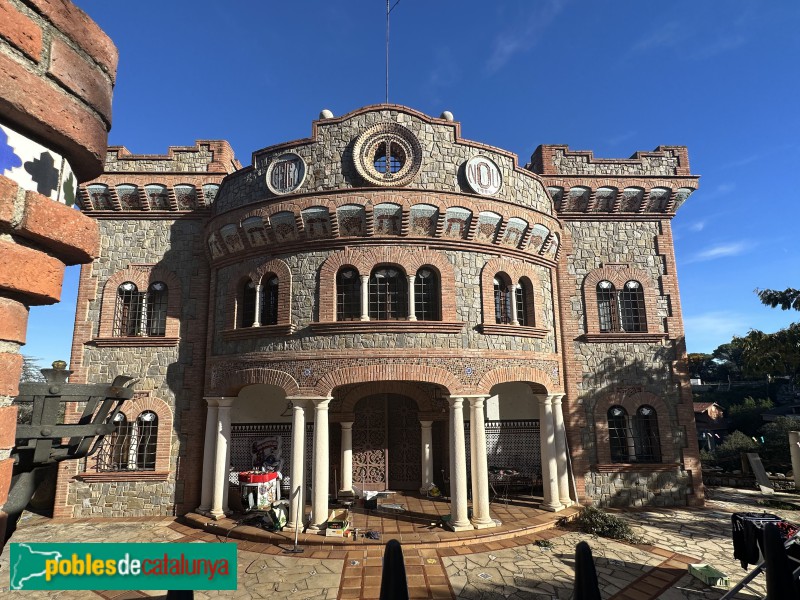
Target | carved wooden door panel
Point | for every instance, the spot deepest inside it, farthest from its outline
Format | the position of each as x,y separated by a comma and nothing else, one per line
405,458
369,444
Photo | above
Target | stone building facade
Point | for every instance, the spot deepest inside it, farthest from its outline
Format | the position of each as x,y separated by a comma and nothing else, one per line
57,69
386,305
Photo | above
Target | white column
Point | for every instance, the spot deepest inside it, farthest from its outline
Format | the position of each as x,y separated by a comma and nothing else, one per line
481,518
412,307
794,452
257,316
548,451
561,450
221,454
427,455
212,416
321,465
458,467
297,475
513,291
347,457
365,297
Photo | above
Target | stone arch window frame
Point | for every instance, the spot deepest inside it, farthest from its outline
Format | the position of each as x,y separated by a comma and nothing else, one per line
364,261
162,469
259,276
345,298
632,404
427,294
518,273
502,290
619,276
142,276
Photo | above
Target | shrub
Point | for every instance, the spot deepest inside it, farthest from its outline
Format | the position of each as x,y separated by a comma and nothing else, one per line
728,454
595,521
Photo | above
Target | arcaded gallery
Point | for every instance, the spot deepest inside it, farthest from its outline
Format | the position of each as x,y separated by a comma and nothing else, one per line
385,306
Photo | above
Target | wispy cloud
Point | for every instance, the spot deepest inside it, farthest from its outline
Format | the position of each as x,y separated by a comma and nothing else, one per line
525,35
721,251
667,35
620,138
741,162
722,189
681,36
697,226
445,71
706,331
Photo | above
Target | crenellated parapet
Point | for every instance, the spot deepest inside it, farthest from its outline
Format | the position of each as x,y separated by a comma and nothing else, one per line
646,185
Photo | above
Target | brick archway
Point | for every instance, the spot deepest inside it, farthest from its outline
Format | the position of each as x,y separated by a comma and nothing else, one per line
389,373
230,384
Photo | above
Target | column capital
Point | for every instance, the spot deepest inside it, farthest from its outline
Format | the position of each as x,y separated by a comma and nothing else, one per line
212,401
556,397
426,424
455,401
225,401
346,424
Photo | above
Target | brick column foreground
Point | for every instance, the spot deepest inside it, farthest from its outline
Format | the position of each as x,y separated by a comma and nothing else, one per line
55,113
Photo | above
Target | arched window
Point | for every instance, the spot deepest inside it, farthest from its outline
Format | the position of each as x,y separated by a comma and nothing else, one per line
348,295
645,435
636,439
618,435
157,309
502,301
247,315
146,437
113,454
426,295
269,301
607,306
621,310
128,312
387,294
525,308
631,301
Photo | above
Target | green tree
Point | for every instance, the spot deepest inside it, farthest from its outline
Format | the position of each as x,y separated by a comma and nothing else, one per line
775,451
786,299
728,453
775,354
746,416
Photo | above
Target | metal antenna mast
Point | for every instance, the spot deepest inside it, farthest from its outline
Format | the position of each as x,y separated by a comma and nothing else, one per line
388,10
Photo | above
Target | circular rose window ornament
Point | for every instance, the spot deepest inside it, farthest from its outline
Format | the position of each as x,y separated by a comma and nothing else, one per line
286,173
387,154
483,176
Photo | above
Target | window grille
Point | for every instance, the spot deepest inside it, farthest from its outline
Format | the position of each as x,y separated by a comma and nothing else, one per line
606,306
621,311
389,160
632,307
132,445
426,295
387,294
522,309
128,313
157,309
348,295
636,439
269,302
502,302
248,312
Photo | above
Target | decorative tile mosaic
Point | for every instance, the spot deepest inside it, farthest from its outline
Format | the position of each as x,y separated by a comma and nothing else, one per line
128,196
317,222
424,218
658,200
245,435
255,231
230,235
578,199
515,232
186,196
99,196
284,227
604,199
539,234
488,224
210,191
35,167
456,222
388,219
512,444
351,218
157,196
215,246
632,199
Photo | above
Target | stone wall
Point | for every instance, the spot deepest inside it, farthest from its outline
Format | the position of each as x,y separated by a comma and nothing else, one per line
664,488
329,162
124,499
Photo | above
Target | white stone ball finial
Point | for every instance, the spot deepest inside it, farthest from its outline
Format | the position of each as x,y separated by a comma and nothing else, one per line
325,114
447,116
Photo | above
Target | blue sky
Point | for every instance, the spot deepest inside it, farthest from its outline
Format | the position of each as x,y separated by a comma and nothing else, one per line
612,77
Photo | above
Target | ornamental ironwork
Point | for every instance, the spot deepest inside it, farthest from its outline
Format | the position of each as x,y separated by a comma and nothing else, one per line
387,154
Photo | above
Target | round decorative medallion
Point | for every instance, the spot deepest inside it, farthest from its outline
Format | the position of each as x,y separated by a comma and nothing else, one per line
483,176
286,173
387,154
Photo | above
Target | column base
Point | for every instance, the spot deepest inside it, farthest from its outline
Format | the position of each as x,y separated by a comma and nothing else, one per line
217,516
552,507
484,524
567,502
460,527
